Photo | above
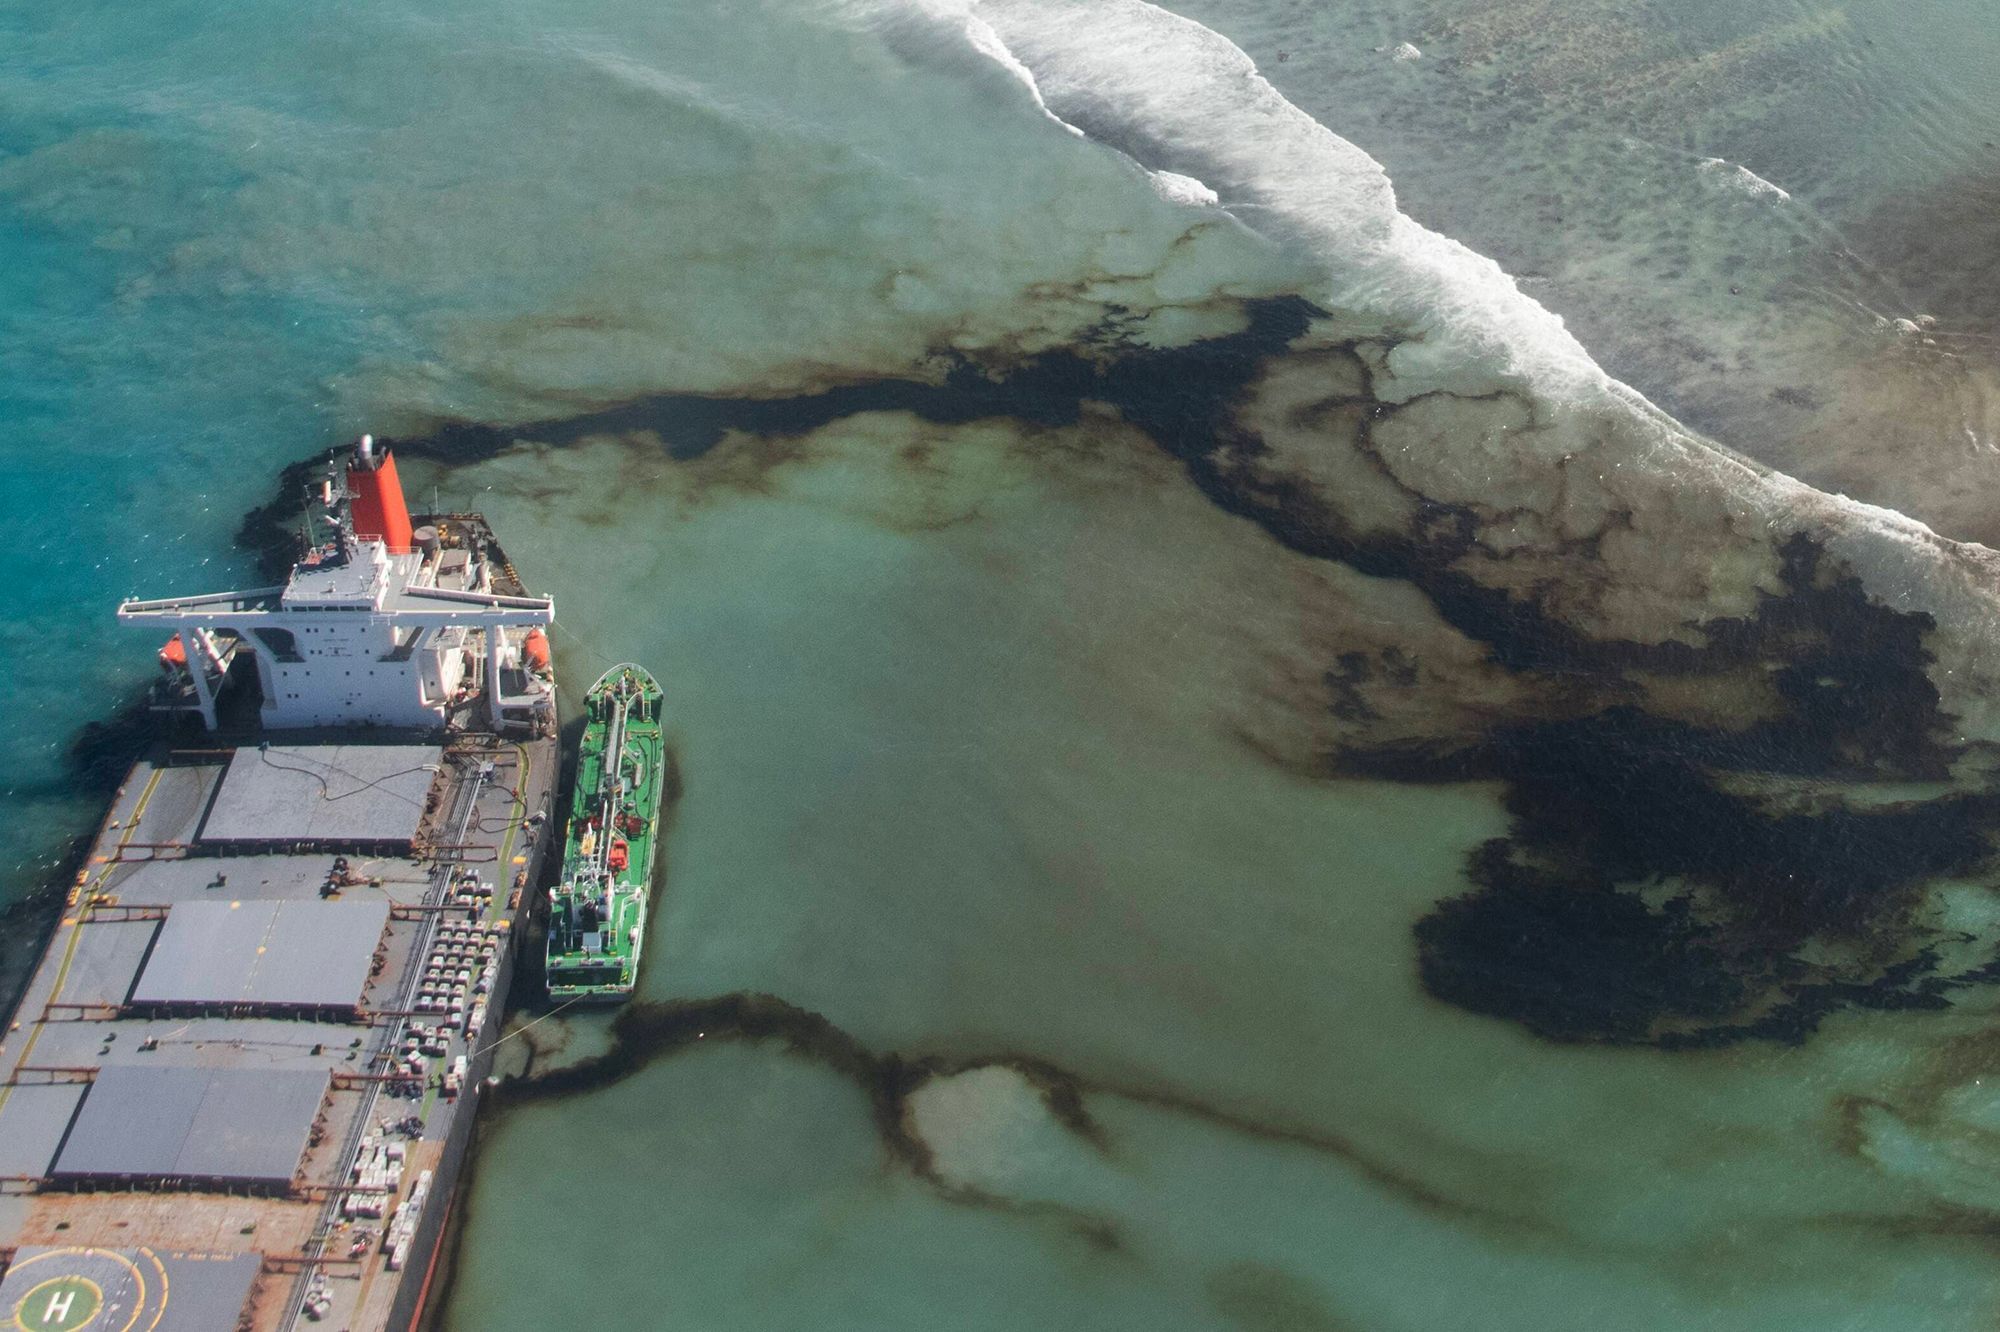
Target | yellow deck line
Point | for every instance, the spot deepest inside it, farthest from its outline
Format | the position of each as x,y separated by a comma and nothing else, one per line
75,925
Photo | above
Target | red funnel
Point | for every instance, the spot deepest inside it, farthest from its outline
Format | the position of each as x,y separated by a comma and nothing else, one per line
379,511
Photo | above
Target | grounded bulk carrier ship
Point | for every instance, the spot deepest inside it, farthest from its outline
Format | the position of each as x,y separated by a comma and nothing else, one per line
239,1088
597,913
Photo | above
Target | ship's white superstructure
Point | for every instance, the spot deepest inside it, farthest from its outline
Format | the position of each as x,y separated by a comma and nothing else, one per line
380,624
240,1086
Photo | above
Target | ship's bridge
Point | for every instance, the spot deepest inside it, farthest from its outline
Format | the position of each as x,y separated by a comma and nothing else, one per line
385,623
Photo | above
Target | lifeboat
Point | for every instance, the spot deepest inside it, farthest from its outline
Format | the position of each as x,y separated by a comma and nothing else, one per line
535,650
173,656
621,854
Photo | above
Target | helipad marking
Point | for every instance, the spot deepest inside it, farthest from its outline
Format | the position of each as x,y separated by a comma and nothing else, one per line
165,1286
60,1304
72,1254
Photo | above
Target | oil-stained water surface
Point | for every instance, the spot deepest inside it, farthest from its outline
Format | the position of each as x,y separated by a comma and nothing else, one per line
1233,776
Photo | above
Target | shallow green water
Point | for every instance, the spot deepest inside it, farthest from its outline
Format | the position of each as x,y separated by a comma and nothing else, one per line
991,800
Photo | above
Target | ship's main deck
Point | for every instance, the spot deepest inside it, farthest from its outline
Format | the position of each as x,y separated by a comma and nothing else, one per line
239,1085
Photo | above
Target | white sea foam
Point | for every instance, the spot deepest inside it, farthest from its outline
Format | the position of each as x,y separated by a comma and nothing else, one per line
1178,97
987,42
1740,179
1176,188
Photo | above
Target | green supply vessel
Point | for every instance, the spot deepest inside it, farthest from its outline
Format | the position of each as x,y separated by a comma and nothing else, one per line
597,914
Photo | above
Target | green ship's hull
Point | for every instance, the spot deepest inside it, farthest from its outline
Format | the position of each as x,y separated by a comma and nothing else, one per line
597,914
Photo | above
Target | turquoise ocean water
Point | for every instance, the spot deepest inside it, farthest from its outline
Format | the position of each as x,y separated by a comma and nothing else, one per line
1263,746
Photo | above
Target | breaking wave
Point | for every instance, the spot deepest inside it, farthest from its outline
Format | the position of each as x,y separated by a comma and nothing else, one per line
1181,100
1176,96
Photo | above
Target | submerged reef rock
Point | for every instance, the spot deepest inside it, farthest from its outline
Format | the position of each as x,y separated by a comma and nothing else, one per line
1659,642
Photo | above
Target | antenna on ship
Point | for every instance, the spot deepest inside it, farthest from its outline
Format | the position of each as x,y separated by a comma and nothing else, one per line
338,498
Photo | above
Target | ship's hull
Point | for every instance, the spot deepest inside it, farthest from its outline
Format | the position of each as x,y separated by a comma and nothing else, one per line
288,951
597,913
488,792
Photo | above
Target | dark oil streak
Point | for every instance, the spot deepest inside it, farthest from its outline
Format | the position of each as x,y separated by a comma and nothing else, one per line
1607,799
644,1033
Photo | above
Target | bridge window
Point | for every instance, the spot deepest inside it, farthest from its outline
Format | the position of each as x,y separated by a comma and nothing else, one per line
283,644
